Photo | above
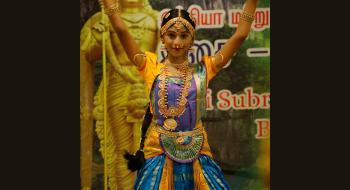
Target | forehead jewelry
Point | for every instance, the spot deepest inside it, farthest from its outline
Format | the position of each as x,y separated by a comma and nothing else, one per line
176,22
177,26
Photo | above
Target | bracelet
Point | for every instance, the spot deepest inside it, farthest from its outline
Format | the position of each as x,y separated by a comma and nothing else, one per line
221,55
247,17
213,58
112,10
138,54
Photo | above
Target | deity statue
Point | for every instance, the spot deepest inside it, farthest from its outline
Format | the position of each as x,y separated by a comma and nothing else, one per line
126,92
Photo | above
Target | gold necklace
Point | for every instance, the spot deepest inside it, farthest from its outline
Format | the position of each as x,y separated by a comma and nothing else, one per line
169,112
178,66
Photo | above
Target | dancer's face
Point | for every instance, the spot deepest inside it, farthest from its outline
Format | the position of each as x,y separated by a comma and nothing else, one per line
177,40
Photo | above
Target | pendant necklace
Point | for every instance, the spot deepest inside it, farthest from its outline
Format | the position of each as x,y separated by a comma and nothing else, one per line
169,112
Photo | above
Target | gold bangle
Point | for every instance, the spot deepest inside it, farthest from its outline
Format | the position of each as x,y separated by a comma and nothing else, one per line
112,10
247,17
138,54
221,55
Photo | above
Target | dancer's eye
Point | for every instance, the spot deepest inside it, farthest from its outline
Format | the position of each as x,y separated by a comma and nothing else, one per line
184,36
171,35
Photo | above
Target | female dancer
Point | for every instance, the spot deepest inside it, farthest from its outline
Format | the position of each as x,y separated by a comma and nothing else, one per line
175,146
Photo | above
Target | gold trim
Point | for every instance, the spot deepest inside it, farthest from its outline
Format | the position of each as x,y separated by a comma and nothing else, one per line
196,131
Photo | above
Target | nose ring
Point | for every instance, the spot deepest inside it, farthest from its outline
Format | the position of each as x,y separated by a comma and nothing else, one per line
178,46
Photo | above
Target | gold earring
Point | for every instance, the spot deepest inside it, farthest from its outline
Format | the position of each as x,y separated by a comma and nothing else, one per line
162,47
191,50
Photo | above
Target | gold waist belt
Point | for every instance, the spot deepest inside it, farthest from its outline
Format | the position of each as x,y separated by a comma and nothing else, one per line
181,147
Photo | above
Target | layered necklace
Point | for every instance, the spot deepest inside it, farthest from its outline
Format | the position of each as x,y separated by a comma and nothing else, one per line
169,112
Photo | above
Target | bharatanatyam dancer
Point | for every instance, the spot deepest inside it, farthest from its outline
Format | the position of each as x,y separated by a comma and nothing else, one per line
174,151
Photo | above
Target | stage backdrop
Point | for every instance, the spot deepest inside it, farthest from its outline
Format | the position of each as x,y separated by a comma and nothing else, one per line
238,99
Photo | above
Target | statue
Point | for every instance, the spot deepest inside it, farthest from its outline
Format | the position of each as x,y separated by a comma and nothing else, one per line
126,92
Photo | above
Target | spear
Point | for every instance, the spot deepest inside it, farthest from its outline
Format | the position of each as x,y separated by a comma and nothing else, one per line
104,71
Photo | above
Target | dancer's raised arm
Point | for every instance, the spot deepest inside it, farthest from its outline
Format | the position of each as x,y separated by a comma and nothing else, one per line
132,49
236,40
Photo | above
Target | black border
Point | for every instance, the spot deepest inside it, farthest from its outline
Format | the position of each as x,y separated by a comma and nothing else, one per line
308,84
40,95
40,112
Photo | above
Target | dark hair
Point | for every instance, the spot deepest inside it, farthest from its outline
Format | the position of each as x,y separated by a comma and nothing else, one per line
173,13
136,161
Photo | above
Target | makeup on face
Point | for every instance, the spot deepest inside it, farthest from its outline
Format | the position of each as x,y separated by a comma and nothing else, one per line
177,37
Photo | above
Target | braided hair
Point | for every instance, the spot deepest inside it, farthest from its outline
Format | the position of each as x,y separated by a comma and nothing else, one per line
137,160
